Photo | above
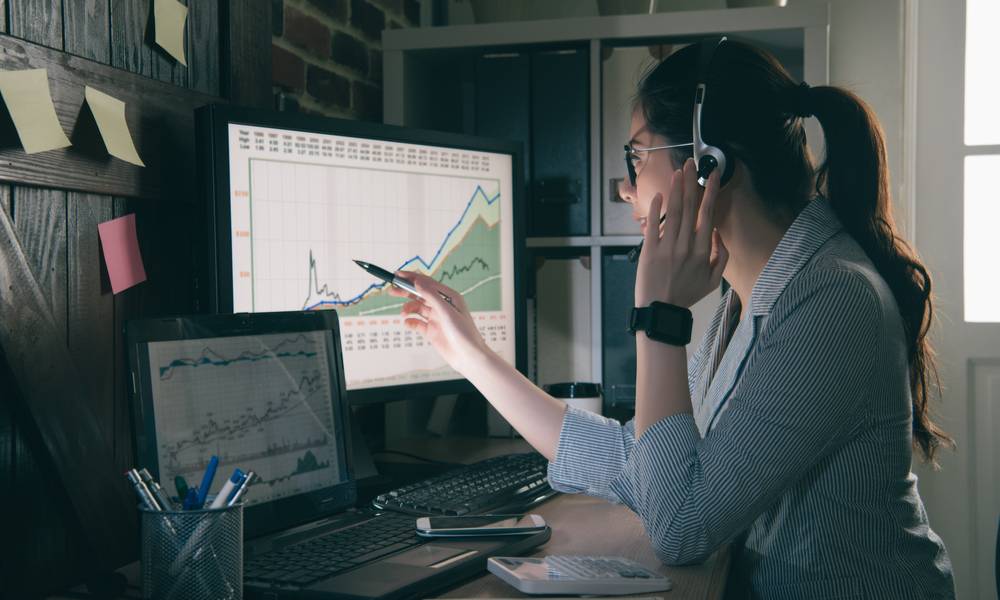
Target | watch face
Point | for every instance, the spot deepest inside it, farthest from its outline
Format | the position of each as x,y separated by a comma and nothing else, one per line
667,321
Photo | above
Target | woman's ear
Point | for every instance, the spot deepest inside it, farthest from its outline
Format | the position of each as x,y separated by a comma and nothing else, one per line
738,176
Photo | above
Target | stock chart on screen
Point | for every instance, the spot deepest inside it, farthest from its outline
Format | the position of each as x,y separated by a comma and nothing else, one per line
304,205
260,402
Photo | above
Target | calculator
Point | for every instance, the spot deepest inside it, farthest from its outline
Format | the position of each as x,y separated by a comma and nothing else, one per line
596,575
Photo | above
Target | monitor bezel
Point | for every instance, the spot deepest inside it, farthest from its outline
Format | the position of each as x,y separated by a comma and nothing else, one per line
277,515
212,123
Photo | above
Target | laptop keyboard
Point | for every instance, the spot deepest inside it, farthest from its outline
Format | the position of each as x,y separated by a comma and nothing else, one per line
327,555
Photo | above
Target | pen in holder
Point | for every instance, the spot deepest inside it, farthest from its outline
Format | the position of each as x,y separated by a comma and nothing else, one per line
192,553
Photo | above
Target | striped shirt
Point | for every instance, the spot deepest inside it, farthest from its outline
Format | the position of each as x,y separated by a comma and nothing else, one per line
799,446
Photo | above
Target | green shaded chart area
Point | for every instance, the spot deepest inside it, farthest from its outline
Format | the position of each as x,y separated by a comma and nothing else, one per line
472,267
306,464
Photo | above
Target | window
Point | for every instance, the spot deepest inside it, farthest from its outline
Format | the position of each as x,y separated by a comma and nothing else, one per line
982,162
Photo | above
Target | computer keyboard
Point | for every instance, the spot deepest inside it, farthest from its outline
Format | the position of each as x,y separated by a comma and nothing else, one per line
321,557
510,483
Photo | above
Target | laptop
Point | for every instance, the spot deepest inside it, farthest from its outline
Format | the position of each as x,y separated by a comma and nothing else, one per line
266,392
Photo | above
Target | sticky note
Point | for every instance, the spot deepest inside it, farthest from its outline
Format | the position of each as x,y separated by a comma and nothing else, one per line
121,253
109,112
169,17
26,94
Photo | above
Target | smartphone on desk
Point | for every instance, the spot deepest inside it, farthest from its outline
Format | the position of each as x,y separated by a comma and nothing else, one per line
469,525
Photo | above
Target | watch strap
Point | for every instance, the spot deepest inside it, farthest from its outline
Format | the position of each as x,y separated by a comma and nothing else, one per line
662,322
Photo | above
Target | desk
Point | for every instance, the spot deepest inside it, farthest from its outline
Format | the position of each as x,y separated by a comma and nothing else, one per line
580,525
585,525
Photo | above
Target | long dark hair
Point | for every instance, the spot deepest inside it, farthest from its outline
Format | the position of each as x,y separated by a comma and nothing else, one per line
753,111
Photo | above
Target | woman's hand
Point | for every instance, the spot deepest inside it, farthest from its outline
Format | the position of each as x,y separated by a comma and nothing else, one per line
682,260
447,325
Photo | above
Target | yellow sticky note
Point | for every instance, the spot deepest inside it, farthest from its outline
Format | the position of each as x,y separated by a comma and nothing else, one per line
169,17
26,94
109,112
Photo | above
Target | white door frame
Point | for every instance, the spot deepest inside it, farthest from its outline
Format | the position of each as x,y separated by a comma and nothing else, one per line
962,498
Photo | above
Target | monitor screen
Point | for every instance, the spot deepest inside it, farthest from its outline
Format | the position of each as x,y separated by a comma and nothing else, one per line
307,196
271,411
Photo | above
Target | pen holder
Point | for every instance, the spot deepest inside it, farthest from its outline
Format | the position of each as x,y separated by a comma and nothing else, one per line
192,553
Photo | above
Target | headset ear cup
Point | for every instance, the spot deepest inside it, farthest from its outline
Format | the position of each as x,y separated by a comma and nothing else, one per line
711,158
706,164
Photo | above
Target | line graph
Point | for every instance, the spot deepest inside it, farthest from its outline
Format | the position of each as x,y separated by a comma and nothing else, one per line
258,402
322,296
229,428
307,218
209,357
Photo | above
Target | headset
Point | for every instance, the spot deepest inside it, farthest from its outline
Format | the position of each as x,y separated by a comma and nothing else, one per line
707,157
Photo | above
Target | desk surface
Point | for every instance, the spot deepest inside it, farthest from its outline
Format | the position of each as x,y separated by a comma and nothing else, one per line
580,525
585,525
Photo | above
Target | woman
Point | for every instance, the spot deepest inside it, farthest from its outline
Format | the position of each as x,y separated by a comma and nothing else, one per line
790,431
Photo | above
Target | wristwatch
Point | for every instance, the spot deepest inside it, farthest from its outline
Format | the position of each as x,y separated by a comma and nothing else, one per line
662,322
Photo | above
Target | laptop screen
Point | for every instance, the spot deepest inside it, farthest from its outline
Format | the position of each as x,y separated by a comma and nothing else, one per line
261,392
258,402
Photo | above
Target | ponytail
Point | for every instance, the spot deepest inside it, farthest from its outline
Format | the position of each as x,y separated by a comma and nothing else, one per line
855,178
756,109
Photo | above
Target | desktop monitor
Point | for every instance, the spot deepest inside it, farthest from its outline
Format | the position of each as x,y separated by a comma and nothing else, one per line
293,199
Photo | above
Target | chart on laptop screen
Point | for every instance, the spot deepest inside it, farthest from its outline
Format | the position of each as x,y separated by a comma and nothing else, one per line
261,403
305,205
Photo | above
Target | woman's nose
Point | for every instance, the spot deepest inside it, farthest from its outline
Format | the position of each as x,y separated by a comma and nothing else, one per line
626,191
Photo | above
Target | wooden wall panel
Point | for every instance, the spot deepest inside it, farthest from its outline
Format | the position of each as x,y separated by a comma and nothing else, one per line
160,118
55,200
39,21
40,218
203,47
90,312
40,222
127,305
7,457
133,47
87,29
246,41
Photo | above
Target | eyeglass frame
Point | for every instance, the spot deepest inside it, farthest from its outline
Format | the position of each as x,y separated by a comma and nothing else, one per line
630,150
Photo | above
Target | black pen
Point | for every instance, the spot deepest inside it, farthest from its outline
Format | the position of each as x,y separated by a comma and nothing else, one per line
399,282
633,254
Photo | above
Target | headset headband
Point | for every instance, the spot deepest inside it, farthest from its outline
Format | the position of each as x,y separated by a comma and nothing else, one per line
708,158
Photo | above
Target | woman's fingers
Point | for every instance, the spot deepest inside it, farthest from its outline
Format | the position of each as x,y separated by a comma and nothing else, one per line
415,323
675,207
417,307
652,234
689,205
706,215
432,290
400,292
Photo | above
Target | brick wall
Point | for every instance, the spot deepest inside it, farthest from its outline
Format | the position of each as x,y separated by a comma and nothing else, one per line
326,55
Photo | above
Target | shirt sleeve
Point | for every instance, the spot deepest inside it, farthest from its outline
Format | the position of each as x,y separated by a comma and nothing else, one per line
593,449
800,399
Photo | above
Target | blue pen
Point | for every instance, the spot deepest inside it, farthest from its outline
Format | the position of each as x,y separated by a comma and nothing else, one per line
206,481
191,500
236,488
227,489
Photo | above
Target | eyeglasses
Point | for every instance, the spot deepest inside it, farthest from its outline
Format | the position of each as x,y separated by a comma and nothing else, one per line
631,153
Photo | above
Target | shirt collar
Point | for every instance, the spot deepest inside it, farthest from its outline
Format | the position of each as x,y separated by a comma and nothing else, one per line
814,225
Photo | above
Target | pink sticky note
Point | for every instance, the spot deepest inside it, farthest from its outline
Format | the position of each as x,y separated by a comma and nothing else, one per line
121,252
